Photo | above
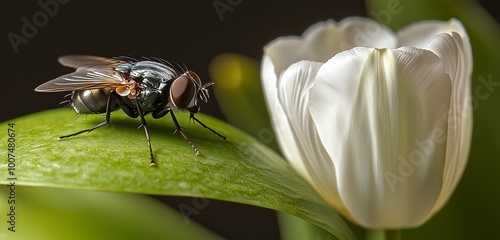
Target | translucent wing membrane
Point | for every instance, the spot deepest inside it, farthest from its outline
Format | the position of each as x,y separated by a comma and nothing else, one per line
84,61
92,72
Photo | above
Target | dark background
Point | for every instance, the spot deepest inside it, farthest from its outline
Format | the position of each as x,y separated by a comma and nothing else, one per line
188,32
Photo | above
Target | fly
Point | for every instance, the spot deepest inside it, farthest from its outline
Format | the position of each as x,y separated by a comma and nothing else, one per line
137,86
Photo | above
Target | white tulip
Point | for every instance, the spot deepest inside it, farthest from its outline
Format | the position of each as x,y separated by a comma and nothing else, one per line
378,122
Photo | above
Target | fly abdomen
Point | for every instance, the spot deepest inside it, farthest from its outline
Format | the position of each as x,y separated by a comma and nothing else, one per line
91,101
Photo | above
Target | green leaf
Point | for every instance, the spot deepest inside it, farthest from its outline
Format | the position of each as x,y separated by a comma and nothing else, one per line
116,159
52,213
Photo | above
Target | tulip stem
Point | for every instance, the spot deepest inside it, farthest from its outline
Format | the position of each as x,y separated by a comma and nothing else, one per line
383,234
393,235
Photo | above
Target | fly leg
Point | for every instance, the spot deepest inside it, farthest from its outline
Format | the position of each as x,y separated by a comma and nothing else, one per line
207,127
178,129
143,124
108,115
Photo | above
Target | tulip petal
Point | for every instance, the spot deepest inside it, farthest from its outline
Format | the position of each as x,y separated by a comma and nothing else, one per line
293,94
323,40
419,34
375,111
454,50
284,135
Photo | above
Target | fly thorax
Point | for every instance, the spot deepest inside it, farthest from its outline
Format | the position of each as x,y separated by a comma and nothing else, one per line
152,78
150,99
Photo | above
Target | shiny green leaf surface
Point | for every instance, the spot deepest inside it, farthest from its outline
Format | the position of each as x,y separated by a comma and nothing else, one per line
116,159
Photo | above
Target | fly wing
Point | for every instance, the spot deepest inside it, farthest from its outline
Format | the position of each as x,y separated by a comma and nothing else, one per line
91,73
81,80
85,61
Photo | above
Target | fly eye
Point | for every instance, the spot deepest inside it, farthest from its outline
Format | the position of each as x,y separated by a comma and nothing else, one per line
195,77
182,91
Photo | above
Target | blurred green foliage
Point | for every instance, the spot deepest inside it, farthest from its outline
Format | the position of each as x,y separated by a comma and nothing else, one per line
52,213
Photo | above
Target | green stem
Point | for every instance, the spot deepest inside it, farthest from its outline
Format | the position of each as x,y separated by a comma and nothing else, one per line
393,235
374,234
383,234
